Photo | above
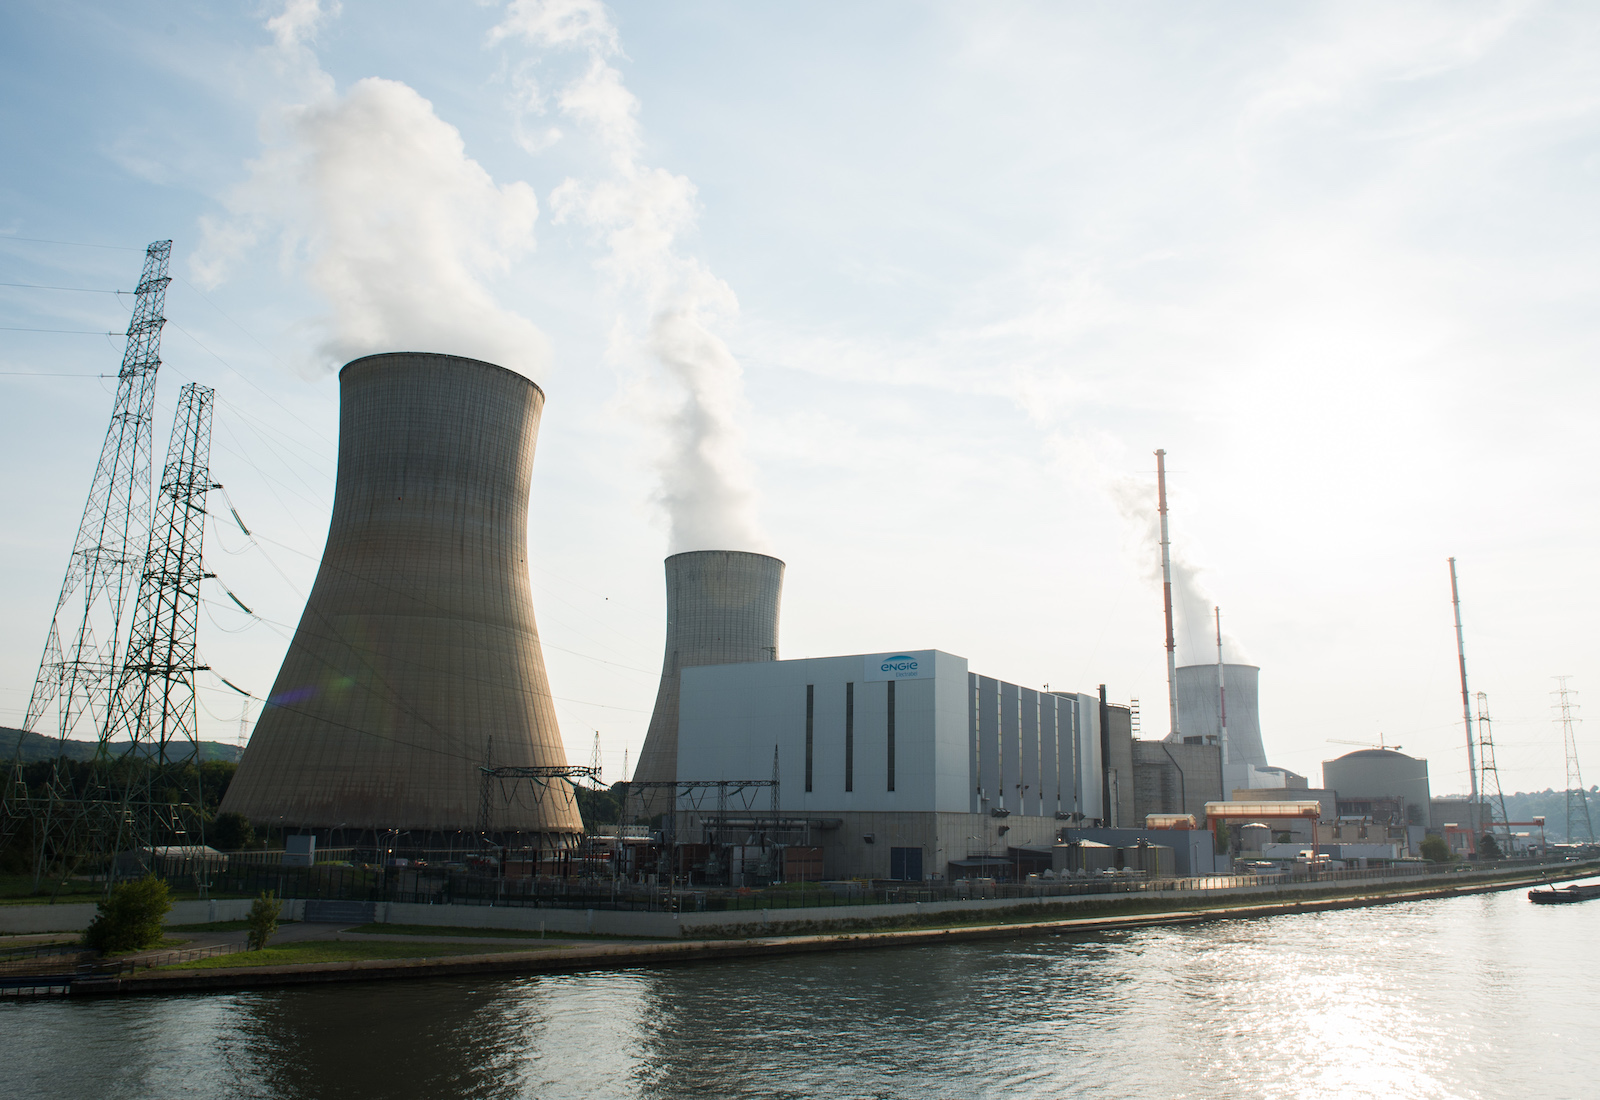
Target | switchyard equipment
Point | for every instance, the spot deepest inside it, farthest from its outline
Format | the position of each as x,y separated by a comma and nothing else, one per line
722,609
418,641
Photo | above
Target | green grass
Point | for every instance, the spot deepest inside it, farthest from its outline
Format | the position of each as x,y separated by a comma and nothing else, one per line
321,951
167,942
484,933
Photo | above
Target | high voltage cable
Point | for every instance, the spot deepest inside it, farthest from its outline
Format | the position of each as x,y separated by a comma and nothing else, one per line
70,244
397,699
74,289
62,331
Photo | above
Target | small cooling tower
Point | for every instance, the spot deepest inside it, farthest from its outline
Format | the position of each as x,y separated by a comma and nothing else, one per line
1198,711
722,609
417,644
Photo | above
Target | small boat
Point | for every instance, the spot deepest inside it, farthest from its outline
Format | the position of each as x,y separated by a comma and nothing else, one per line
1556,895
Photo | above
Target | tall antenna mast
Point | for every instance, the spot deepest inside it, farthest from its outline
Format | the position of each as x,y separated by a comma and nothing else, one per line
1166,591
1466,700
1576,792
1222,690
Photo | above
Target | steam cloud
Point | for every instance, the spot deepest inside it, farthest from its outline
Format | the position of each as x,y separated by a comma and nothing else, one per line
374,200
707,488
1192,604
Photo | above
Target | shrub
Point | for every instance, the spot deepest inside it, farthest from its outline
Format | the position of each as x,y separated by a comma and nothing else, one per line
1489,848
263,919
232,832
1435,849
130,917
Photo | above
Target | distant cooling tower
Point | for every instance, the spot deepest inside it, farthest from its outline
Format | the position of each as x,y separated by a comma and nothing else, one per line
1198,711
722,609
417,644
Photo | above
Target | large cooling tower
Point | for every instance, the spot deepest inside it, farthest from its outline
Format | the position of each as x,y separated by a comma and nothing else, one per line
722,609
1198,710
417,644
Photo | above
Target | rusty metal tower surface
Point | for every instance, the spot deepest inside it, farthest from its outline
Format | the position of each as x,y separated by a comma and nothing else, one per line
722,609
418,644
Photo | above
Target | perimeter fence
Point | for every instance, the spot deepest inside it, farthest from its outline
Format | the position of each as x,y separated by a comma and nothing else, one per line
330,882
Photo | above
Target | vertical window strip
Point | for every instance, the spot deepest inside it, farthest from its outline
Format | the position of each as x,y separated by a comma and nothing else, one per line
850,737
890,733
811,702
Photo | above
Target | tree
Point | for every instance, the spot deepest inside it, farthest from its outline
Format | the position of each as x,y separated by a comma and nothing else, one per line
1224,839
232,832
1435,849
130,917
1488,849
263,919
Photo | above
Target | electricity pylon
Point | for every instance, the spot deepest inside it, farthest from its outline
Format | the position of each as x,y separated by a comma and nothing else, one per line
77,672
1577,795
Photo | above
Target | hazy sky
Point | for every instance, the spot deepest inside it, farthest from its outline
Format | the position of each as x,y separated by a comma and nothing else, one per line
906,294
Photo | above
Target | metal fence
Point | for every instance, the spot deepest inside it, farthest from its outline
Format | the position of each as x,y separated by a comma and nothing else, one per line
456,887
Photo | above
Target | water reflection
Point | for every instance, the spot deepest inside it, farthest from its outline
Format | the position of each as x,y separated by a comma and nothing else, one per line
1480,996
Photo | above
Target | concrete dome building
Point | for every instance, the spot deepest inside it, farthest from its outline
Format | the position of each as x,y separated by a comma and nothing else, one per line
417,646
1368,778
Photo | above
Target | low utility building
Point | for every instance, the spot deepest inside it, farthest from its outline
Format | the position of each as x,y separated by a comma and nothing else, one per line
901,765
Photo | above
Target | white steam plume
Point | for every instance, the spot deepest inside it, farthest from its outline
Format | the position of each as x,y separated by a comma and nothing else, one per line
707,486
376,203
1192,604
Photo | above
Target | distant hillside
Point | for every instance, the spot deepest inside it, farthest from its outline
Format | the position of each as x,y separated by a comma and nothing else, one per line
1552,806
36,746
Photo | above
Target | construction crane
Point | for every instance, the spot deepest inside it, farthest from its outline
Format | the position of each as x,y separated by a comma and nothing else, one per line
1368,744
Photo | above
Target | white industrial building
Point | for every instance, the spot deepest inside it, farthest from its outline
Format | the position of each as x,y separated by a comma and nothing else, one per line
903,764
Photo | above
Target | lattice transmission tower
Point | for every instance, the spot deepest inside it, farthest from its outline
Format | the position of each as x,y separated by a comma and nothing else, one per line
77,672
1489,788
154,707
78,669
1577,794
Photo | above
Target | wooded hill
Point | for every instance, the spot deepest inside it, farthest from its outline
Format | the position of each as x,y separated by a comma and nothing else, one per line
36,747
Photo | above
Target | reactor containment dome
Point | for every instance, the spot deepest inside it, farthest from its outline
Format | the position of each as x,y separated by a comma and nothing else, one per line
417,656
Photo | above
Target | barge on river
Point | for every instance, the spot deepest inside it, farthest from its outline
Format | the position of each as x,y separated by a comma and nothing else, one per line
1556,895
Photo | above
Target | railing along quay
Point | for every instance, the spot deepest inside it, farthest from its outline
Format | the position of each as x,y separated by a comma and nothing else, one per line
335,882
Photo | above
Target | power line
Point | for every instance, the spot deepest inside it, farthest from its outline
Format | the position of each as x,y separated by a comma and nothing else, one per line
70,244
75,289
62,331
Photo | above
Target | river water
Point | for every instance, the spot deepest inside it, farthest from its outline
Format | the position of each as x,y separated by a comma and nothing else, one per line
1484,996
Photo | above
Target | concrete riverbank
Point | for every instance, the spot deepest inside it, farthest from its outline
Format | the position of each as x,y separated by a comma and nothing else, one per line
550,958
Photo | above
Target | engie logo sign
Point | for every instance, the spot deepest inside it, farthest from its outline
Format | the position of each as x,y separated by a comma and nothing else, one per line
916,665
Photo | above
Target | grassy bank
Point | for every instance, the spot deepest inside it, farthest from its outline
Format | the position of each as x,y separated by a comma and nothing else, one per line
483,933
324,951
